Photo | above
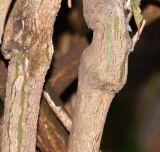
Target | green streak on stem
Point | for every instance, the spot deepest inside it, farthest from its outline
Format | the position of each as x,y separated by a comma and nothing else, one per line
102,39
109,44
16,75
1,2
18,56
20,130
20,127
46,53
116,26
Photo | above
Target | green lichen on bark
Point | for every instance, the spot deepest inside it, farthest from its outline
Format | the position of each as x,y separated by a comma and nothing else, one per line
16,74
23,92
46,53
20,131
1,2
135,5
109,44
116,26
18,56
20,127
24,45
102,38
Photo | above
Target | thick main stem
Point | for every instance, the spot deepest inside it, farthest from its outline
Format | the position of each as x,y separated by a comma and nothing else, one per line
102,72
21,112
89,120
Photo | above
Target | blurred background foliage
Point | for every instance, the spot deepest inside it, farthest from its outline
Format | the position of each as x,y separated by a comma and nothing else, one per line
133,122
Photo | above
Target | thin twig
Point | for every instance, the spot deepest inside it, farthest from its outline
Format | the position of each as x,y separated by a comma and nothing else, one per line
59,112
138,33
4,6
129,16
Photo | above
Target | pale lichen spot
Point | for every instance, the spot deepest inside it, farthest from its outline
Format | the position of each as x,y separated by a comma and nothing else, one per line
45,126
26,3
22,24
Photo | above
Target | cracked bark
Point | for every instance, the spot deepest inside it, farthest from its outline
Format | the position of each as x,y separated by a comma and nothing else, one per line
102,72
28,45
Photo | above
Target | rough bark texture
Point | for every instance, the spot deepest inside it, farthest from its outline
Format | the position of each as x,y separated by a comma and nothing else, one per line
28,43
102,73
50,132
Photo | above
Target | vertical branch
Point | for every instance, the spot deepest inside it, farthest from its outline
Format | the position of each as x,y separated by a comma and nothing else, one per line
102,72
28,43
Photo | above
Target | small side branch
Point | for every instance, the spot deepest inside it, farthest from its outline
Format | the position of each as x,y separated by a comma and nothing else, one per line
59,111
138,33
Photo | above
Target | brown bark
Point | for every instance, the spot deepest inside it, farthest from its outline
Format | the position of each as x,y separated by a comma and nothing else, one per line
66,69
3,79
64,72
4,7
102,73
51,135
28,43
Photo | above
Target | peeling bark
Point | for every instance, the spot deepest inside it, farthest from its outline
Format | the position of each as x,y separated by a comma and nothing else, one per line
102,72
28,45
